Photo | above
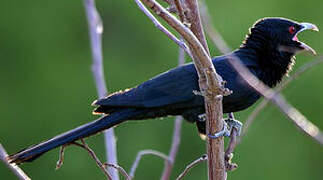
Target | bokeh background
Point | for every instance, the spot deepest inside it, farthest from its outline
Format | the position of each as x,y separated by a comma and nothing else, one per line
47,88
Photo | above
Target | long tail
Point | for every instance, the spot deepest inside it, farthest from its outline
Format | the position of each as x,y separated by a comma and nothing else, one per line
83,131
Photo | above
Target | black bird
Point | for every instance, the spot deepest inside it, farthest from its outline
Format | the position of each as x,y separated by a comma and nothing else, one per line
268,52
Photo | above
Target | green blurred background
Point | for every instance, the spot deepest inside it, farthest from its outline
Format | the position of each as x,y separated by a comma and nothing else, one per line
47,88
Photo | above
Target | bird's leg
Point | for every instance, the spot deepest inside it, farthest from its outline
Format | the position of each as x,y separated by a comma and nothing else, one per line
228,124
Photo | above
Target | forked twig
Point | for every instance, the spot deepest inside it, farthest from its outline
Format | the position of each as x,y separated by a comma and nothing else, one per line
292,113
146,152
284,84
191,165
93,155
119,168
20,174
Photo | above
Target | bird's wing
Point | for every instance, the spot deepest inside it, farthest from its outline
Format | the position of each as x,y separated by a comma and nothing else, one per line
176,87
171,87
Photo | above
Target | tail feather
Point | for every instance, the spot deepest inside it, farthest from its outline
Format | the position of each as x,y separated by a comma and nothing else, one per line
83,131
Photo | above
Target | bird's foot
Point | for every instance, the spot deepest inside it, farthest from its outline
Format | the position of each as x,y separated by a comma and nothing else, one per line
224,132
228,125
199,93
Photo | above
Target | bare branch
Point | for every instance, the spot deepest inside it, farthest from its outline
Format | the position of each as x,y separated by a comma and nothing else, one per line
13,167
292,113
284,84
162,28
190,166
95,32
177,133
119,168
142,153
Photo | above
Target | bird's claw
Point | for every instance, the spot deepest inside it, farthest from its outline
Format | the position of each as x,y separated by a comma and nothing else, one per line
199,93
228,125
224,132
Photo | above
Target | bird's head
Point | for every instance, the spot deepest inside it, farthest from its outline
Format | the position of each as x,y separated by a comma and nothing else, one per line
281,34
273,43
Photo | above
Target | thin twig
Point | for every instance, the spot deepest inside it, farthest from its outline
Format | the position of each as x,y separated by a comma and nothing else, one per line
119,168
162,28
93,155
146,152
190,166
292,113
177,133
284,84
13,167
95,32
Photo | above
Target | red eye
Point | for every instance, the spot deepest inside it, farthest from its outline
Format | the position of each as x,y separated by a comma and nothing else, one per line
292,29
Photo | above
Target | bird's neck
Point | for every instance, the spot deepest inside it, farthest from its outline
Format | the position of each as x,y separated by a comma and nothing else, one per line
273,63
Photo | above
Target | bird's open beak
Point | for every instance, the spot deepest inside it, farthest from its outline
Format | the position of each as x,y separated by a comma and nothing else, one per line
306,26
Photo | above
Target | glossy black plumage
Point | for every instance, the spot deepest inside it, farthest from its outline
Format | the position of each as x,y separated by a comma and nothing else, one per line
171,93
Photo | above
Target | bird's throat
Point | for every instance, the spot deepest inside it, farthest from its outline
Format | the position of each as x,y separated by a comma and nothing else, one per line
273,64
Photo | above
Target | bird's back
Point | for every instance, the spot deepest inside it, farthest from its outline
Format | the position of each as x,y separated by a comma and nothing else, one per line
172,92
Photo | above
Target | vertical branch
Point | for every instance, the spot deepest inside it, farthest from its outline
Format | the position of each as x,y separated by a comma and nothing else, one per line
213,101
211,85
177,133
95,32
